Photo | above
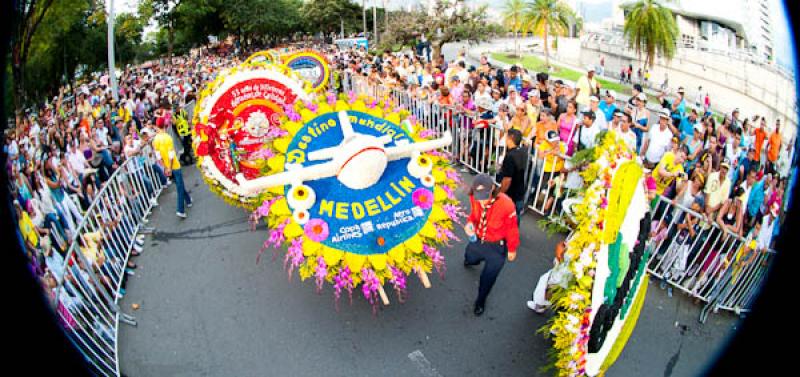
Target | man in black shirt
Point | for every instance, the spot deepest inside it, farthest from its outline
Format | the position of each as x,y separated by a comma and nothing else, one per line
513,170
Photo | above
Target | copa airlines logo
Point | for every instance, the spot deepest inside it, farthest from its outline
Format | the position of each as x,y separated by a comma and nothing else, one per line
371,204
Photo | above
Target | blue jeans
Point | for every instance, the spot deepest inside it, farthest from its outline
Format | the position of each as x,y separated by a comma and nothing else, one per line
519,205
160,173
183,196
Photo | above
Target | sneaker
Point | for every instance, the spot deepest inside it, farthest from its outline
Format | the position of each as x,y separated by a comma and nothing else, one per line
181,214
463,170
140,239
189,204
153,202
137,247
129,272
669,291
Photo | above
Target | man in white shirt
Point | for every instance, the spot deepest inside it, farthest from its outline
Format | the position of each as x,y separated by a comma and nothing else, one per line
657,141
588,131
599,115
624,131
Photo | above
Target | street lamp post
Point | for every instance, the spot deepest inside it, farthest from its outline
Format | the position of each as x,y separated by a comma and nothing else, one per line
375,20
364,15
112,75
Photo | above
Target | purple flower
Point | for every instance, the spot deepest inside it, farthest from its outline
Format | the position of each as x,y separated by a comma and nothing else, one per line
453,175
351,97
276,236
320,272
447,190
316,230
372,104
369,287
398,281
342,280
294,256
311,106
264,154
331,99
446,234
412,119
454,212
426,133
422,198
436,258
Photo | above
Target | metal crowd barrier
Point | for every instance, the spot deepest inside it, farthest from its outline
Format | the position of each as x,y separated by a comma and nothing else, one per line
712,265
93,274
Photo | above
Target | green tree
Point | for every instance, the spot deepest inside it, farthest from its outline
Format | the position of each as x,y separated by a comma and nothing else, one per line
548,17
514,19
650,28
328,15
28,16
258,19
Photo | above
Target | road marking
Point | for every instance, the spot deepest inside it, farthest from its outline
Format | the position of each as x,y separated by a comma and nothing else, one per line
423,364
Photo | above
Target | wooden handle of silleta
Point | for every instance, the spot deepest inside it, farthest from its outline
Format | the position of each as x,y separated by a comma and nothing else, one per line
423,277
384,297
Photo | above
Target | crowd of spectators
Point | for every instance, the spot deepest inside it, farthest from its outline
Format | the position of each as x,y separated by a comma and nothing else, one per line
60,154
732,173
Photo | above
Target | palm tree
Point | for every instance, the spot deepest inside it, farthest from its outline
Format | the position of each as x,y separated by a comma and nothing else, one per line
548,17
514,19
650,28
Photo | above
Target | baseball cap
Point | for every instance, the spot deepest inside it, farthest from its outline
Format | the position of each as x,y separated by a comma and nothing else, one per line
698,127
594,99
641,96
552,135
590,68
482,187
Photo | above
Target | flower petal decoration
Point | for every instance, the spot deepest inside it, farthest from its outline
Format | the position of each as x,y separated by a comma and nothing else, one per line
423,198
316,244
316,230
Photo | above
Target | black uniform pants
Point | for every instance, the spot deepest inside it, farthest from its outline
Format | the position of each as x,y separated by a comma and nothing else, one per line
494,254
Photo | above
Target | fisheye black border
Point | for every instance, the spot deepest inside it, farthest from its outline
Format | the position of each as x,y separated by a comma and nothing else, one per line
37,346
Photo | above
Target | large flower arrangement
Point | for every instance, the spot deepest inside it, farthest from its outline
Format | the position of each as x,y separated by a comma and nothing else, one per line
300,236
226,187
597,224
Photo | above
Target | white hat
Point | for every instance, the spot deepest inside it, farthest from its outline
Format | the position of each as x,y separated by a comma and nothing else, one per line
594,99
590,68
512,88
664,113
611,93
641,96
699,127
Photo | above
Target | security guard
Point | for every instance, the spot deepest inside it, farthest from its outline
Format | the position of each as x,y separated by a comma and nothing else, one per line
493,231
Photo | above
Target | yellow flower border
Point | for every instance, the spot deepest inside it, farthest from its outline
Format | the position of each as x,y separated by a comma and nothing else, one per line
407,257
569,327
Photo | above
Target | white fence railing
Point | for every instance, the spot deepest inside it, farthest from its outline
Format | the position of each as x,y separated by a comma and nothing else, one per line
706,262
94,270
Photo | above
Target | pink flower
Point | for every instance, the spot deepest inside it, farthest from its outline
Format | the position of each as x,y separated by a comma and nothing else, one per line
331,99
436,258
426,133
447,190
398,281
317,230
351,97
369,287
422,198
311,106
294,256
342,280
320,272
454,212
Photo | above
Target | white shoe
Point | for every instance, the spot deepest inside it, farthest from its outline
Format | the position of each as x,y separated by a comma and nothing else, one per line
137,247
153,202
181,214
531,305
140,239
189,205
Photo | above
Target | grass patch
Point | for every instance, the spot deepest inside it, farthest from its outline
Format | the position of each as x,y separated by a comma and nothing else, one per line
536,64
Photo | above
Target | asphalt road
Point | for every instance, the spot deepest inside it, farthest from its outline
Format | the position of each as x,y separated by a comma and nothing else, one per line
208,309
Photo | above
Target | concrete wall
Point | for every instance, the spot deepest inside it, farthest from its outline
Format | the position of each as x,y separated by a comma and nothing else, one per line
730,82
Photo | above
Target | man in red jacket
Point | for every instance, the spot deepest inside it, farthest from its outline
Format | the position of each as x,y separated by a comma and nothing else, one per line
493,231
